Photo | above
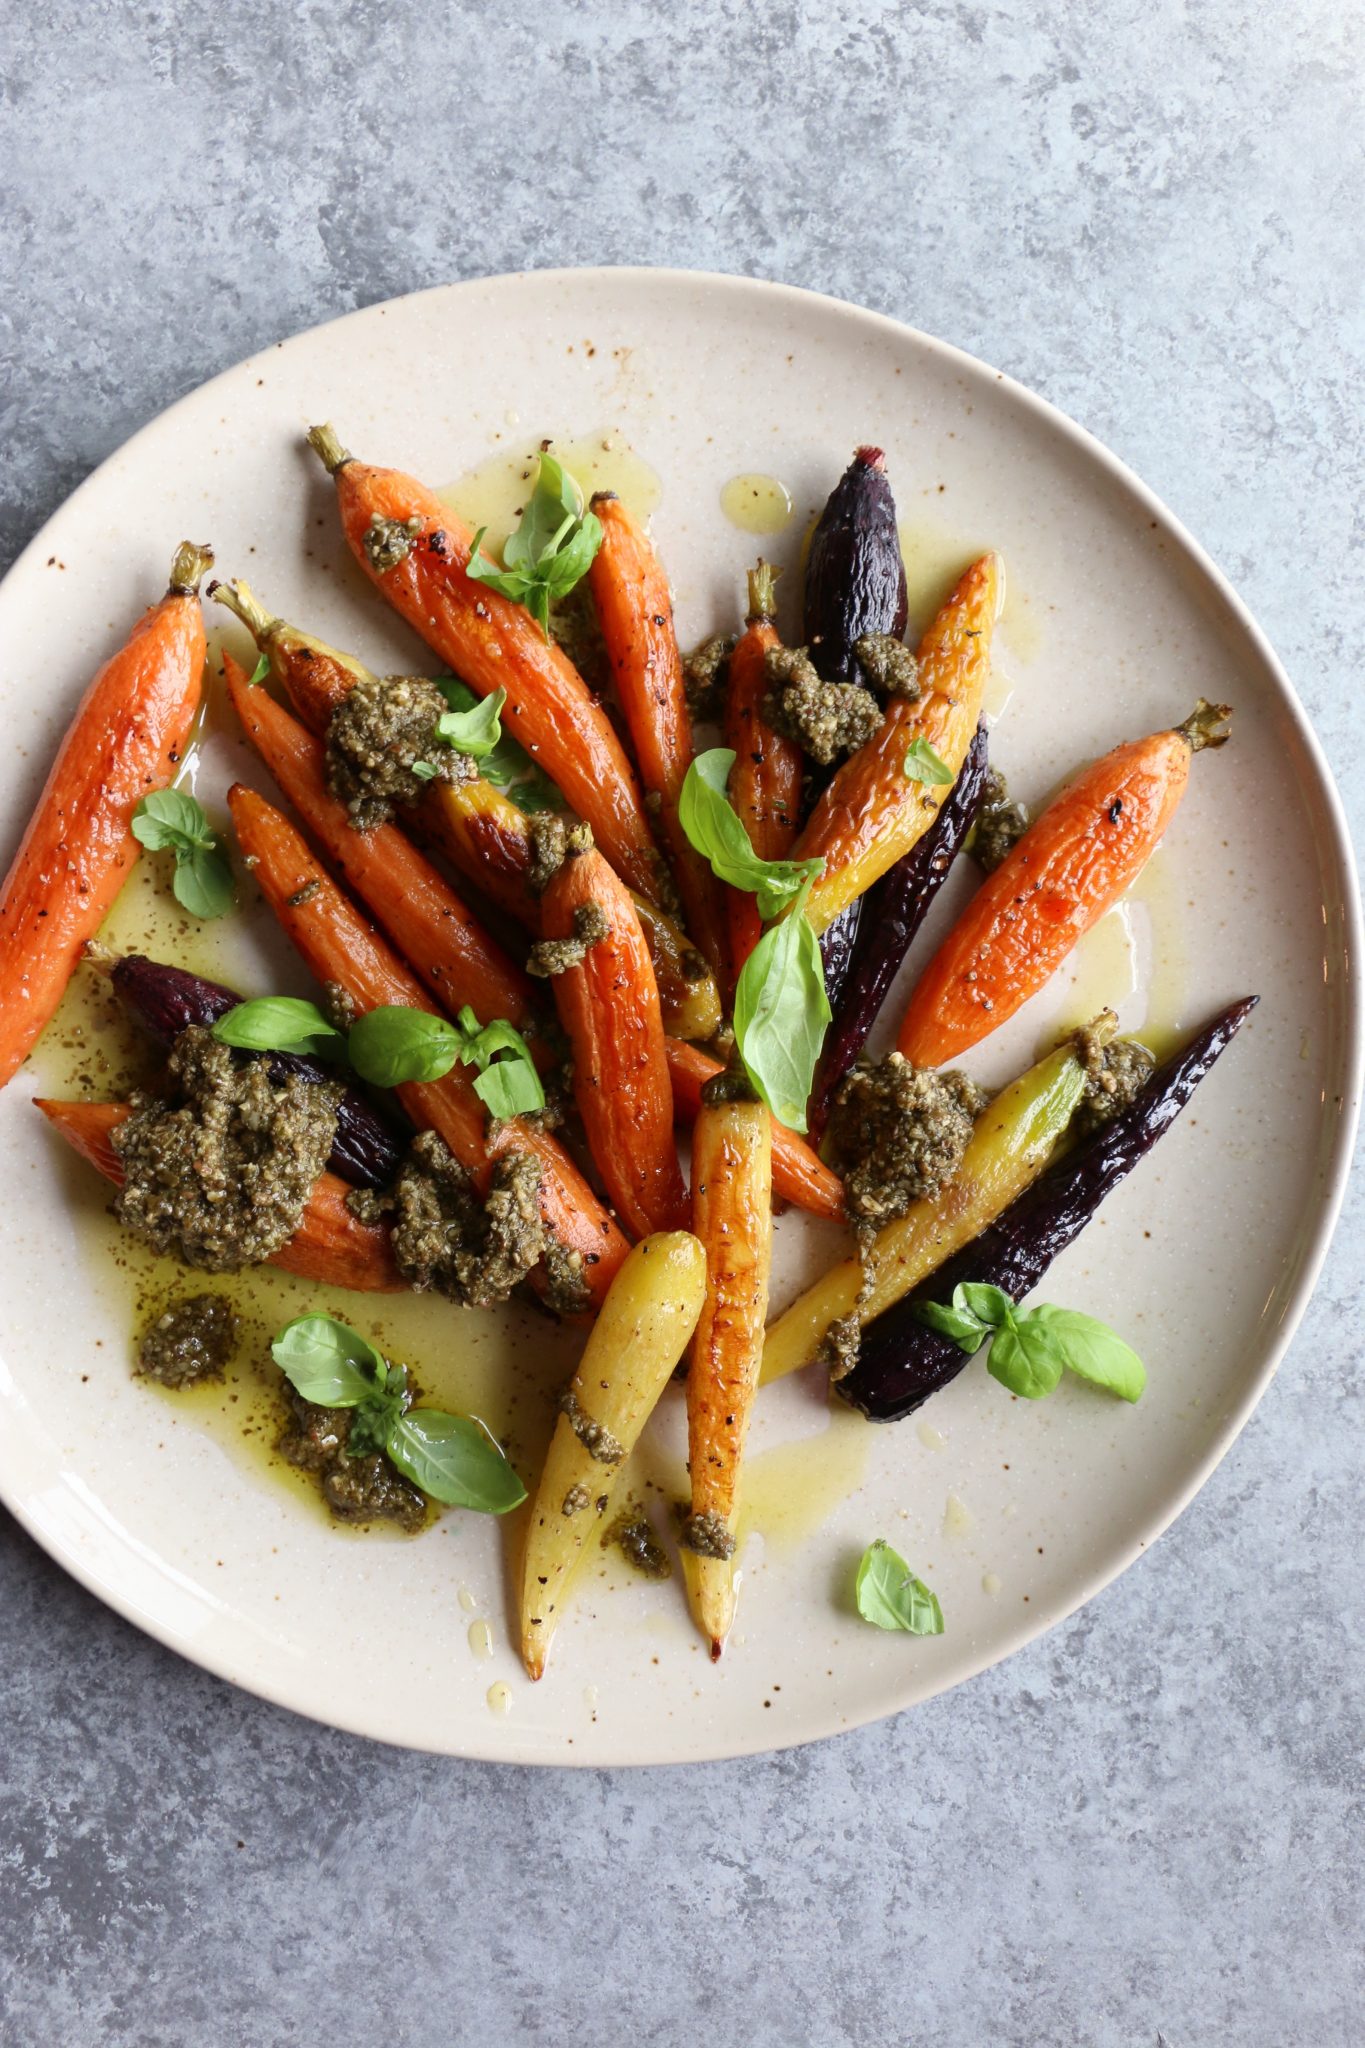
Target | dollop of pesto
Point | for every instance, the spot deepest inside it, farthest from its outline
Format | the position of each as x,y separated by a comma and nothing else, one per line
190,1343
595,1437
707,1535
826,720
356,1489
220,1174
633,1535
705,674
888,665
1115,1069
1000,824
388,542
379,734
444,1238
897,1134
556,956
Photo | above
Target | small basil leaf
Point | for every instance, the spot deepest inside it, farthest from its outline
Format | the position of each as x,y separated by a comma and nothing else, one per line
424,771
508,767
261,670
716,830
277,1024
570,563
394,1044
990,1305
1090,1349
922,764
202,882
476,731
171,817
958,1323
1023,1359
890,1596
513,583
551,549
327,1361
508,1089
554,507
373,1421
781,1013
455,1460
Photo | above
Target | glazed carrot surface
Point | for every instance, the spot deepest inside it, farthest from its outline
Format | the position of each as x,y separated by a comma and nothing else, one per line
609,1007
492,643
436,933
127,738
765,782
799,1174
635,608
339,946
330,1245
873,812
1071,866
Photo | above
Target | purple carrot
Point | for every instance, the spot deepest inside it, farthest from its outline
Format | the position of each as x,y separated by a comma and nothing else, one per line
896,907
166,1000
902,1361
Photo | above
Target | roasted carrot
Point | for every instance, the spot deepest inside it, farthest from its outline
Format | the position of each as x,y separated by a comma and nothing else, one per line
340,947
635,609
765,782
1072,865
799,1175
479,829
435,932
127,738
873,812
416,551
608,1004
732,1217
330,1246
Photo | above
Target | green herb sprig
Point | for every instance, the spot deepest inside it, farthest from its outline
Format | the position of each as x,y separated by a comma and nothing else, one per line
450,1457
891,1597
922,764
1031,1349
394,1044
782,1013
718,833
504,763
551,550
170,820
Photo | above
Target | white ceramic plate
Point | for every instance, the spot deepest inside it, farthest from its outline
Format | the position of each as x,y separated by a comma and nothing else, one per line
1014,1512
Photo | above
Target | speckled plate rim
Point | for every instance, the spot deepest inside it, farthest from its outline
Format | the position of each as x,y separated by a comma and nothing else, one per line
1335,840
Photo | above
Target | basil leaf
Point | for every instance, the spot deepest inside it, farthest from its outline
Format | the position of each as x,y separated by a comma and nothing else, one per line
455,1460
373,1421
277,1024
424,771
1090,1349
781,1013
202,882
550,551
509,1087
261,670
508,767
715,828
890,1596
990,1305
171,818
327,1361
394,1044
476,731
958,1323
513,583
555,506
569,564
922,764
1024,1359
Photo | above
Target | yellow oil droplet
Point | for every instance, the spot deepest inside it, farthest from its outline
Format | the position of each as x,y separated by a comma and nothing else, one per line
467,1600
957,1520
990,1583
932,1439
1156,894
499,1698
789,1492
494,493
756,503
480,1639
1101,973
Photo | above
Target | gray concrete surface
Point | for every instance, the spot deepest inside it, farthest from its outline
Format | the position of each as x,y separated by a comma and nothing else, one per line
1148,1826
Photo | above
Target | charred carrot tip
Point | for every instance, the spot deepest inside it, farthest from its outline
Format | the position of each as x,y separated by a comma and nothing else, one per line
191,561
871,458
327,444
240,600
717,1646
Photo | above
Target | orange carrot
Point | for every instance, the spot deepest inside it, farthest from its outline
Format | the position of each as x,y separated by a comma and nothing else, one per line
732,1216
1072,865
799,1175
492,643
873,812
330,1246
436,933
339,946
609,1006
635,609
765,782
126,738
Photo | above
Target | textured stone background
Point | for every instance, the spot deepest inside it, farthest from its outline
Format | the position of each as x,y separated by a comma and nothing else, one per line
1146,1827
